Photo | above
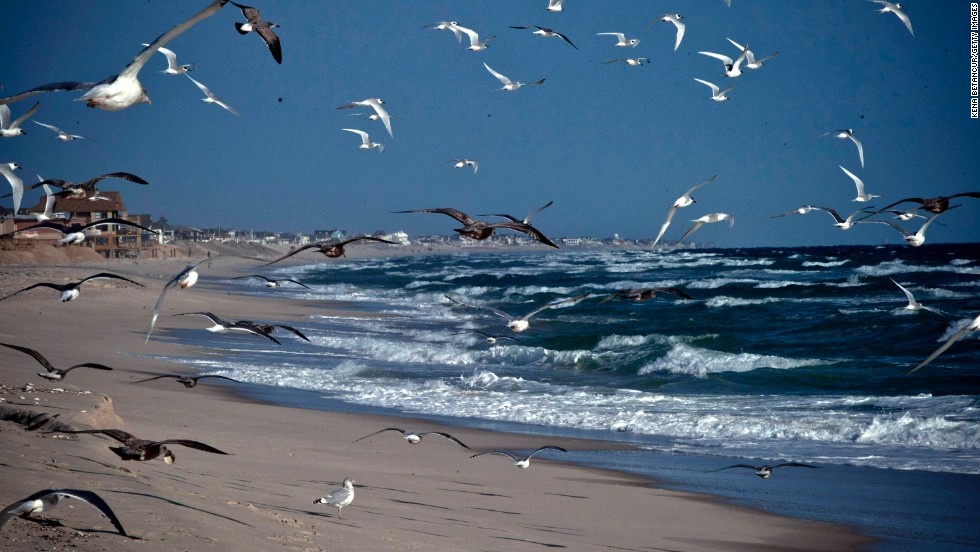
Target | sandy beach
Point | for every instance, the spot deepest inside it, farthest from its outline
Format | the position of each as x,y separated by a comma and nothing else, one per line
430,496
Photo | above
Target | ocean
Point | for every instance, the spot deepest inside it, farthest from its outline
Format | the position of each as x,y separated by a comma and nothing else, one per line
782,355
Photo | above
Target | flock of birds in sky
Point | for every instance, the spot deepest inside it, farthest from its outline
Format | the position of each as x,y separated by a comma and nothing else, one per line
124,90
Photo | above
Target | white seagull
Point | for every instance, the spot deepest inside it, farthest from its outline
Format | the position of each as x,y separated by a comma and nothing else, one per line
172,67
49,498
631,61
913,304
674,18
679,203
859,184
270,283
969,327
415,437
508,85
622,41
716,93
69,291
340,497
554,5
446,26
74,234
801,211
118,92
7,169
544,31
211,97
842,223
897,10
733,68
750,61
522,463
476,45
10,129
375,104
366,142
62,135
849,133
185,279
460,163
706,219
520,324
913,239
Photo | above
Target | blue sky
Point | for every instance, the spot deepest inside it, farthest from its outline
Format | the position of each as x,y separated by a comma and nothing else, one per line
612,145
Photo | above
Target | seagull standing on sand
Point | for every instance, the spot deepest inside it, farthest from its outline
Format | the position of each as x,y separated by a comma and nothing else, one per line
519,324
681,202
972,326
897,10
340,497
118,92
716,93
16,184
70,291
366,142
750,61
62,135
142,450
187,381
49,498
543,31
622,41
272,283
674,18
10,129
414,437
375,104
481,230
508,84
848,133
765,471
261,27
211,97
522,463
332,250
707,219
859,184
52,373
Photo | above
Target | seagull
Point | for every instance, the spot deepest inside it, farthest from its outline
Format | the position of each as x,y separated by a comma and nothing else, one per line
714,217
765,471
415,437
70,291
340,497
933,204
460,163
621,40
49,498
842,223
62,135
211,97
849,133
188,381
10,129
861,195
522,463
897,10
373,103
555,5
7,169
172,67
222,326
508,85
679,203
904,215
969,327
644,294
716,93
52,373
674,18
521,324
913,304
446,26
87,189
366,142
118,92
141,449
801,211
492,339
273,283
481,230
75,234
630,61
544,31
732,68
913,239
269,329
262,27
330,249
750,61
526,220
475,44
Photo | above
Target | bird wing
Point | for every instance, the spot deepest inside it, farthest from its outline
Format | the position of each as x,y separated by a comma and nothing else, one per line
4,117
749,466
53,87
447,436
696,186
17,187
949,342
663,228
561,303
56,287
252,276
178,376
159,303
385,118
908,294
134,66
402,431
546,447
714,88
117,434
859,147
215,376
691,230
526,229
50,498
294,330
205,89
272,41
500,452
456,214
191,444
252,328
498,312
95,365
120,175
25,116
966,194
364,135
114,220
37,356
793,465
210,316
369,238
675,291
724,59
527,219
293,252
107,276
565,38
297,282
681,27
832,212
500,77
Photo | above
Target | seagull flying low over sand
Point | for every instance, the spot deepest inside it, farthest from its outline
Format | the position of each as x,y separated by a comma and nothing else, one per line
630,61
49,498
644,294
16,184
62,135
750,61
765,471
544,31
733,68
555,5
75,234
187,381
70,291
707,219
859,184
525,220
492,339
222,326
211,97
913,304
460,163
622,41
897,10
716,93
913,239
366,142
848,133
508,85
481,230
330,249
446,26
118,92
674,18
339,497
10,129
262,27
375,104
172,67
141,449
52,373
87,189
681,202
414,437
272,283
520,324
476,45
971,326
522,463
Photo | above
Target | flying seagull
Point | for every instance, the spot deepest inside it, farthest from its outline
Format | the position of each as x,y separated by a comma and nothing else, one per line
481,230
897,10
172,67
914,239
188,381
118,92
750,61
211,97
848,133
519,324
630,61
476,45
340,497
262,27
932,204
70,291
913,304
460,163
674,18
62,135
645,294
706,219
141,449
375,104
366,142
765,471
859,184
222,326
185,279
546,32
87,189
492,339
49,498
522,463
75,233
555,5
842,223
622,41
970,327
10,129
16,184
733,68
446,26
716,93
508,85
52,373
330,249
273,283
681,202
414,437
269,329
525,220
